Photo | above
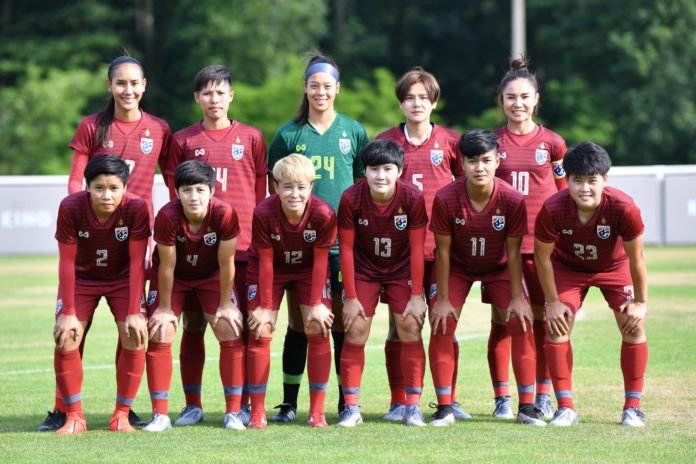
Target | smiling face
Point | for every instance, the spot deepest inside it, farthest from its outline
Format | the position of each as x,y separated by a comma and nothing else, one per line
321,89
416,105
480,170
586,190
126,86
195,200
382,181
294,196
106,193
519,100
215,99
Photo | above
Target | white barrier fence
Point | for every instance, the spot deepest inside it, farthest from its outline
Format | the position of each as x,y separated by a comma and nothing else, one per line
666,196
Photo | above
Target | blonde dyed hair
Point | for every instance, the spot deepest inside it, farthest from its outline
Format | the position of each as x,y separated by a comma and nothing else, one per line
294,168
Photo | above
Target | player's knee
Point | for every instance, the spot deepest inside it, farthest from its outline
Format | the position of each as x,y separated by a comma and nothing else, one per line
194,321
514,327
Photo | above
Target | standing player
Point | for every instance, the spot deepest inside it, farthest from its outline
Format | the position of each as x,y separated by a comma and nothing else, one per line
102,236
478,222
381,235
431,161
292,234
332,141
238,154
591,235
196,238
122,128
531,160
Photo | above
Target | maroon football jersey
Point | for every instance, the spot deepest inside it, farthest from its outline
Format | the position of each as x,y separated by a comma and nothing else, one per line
596,246
531,167
429,166
238,154
478,239
293,244
381,250
102,249
141,144
196,253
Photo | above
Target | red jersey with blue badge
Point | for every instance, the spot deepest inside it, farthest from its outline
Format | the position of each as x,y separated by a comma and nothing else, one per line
596,246
382,250
102,249
531,163
196,252
478,238
238,154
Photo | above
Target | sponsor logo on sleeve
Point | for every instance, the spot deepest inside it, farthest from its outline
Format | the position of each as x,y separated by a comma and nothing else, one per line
502,155
275,237
459,221
362,222
567,231
83,234
603,232
180,238
199,152
498,222
121,233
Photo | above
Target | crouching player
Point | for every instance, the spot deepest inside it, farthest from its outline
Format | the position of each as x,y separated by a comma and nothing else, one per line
102,236
591,235
381,238
292,232
196,236
478,222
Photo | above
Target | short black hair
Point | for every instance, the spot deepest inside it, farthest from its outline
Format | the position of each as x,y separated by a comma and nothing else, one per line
476,142
586,159
194,172
380,152
213,74
107,165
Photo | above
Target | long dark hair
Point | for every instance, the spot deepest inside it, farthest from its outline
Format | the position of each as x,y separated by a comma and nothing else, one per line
106,116
302,114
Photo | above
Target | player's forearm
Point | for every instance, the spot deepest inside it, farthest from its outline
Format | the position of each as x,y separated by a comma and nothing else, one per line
77,171
546,277
136,276
319,272
226,282
639,275
417,241
66,276
442,270
515,270
346,238
165,278
266,277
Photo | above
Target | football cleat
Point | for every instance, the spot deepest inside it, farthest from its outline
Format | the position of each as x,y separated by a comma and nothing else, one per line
258,421
529,415
318,420
54,420
542,403
286,414
134,419
632,417
413,416
350,417
159,423
119,422
564,417
245,411
443,417
458,412
190,415
233,421
503,408
74,424
396,413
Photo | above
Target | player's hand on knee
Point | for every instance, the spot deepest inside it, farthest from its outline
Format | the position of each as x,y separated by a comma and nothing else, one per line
636,312
352,309
158,322
321,315
442,309
258,318
136,328
519,306
415,308
557,315
232,315
67,327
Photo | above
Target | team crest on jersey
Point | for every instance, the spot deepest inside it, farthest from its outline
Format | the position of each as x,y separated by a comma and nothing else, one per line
121,233
59,305
210,239
83,234
433,291
237,151
151,297
199,152
436,156
541,156
344,145
400,221
146,145
498,222
603,232
251,292
310,235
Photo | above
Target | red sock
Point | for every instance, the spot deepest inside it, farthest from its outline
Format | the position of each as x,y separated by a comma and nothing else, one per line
352,365
543,378
258,365
559,357
232,373
192,361
499,359
413,366
441,356
245,391
318,370
129,373
119,348
523,359
392,356
634,361
159,375
455,371
59,405
68,369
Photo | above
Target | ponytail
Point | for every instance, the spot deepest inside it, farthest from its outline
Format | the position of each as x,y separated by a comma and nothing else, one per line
302,115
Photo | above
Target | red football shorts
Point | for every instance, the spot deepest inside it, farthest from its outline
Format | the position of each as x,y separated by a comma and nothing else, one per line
395,293
301,283
204,292
572,286
495,288
87,296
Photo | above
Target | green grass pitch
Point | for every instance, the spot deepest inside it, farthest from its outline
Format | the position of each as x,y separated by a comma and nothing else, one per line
28,287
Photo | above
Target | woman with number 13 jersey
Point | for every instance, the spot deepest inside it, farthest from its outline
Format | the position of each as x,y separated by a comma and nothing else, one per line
531,160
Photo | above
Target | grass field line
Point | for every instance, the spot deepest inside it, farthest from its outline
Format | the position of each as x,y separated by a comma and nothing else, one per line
97,367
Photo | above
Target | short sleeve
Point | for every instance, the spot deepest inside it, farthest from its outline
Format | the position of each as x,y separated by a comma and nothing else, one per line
632,224
440,222
259,154
358,166
259,232
84,137
326,236
419,216
165,229
65,225
518,220
544,228
141,221
346,217
277,150
229,227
